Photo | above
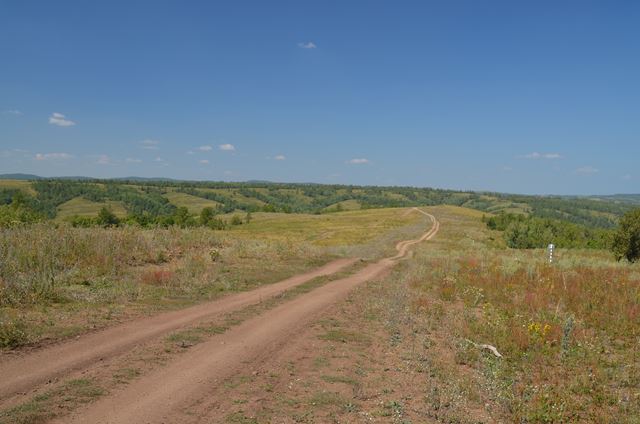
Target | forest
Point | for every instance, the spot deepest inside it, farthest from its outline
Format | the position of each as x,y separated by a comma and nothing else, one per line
148,203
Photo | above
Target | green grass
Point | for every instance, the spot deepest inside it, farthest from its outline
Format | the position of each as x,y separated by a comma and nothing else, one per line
18,184
347,205
195,204
79,206
235,195
337,229
52,403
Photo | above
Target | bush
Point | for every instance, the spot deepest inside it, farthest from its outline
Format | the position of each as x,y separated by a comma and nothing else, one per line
12,333
14,215
626,240
106,218
522,232
206,215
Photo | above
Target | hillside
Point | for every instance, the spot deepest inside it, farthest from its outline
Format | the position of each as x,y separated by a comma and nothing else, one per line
157,198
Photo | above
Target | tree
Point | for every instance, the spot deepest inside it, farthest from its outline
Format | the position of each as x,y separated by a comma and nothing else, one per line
106,218
183,218
626,240
206,214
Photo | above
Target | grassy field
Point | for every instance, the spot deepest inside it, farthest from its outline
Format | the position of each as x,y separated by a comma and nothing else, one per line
17,184
347,205
56,281
83,207
345,228
408,348
568,331
193,203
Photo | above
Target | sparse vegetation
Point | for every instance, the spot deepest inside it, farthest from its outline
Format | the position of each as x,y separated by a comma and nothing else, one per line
566,331
90,276
407,348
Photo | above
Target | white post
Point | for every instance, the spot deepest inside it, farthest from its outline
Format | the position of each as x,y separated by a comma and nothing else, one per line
550,250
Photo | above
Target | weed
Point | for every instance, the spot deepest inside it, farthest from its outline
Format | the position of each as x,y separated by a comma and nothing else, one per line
344,336
13,332
339,379
240,418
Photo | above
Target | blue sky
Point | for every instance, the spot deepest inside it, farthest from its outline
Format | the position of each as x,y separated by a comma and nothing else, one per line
513,96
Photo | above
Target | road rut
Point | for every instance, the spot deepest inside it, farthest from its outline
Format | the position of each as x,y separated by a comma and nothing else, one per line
22,373
171,394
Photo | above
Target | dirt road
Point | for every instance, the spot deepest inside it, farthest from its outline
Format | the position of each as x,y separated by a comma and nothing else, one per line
21,373
174,393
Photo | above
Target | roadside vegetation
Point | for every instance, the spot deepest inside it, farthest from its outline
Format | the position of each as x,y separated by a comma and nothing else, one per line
478,326
57,280
414,346
526,232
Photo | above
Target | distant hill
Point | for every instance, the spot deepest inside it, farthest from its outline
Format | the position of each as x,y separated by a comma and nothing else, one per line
160,197
633,199
19,177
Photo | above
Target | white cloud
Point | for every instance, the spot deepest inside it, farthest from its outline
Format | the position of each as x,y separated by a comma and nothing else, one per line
158,159
149,144
205,148
280,157
536,155
507,168
358,161
626,177
227,147
307,45
52,156
587,170
132,160
103,160
14,112
60,120
203,162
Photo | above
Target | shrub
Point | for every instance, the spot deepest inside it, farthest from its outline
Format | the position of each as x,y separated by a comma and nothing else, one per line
106,218
12,332
626,241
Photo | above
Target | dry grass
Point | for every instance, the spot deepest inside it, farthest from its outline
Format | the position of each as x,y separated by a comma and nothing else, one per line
57,281
336,229
569,331
405,348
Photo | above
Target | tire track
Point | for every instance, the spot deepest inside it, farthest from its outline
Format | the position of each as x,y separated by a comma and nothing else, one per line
173,394
22,373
